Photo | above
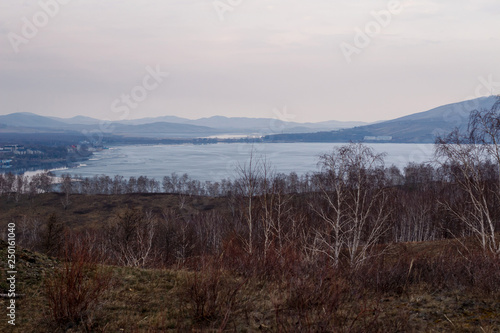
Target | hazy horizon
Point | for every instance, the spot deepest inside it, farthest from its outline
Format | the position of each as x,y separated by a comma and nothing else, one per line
276,116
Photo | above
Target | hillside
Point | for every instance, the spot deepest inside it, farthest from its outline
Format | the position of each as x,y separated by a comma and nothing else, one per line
420,127
31,123
412,287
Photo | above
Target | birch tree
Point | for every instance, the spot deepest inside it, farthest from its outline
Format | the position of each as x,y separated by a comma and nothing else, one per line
354,205
468,155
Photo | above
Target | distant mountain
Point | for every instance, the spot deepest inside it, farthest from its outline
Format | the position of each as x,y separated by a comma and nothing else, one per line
422,127
335,124
78,120
269,124
150,120
418,127
163,129
455,114
32,123
249,125
26,119
166,126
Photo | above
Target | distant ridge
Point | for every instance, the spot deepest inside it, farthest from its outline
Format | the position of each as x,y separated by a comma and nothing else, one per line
27,119
419,127
422,127
167,126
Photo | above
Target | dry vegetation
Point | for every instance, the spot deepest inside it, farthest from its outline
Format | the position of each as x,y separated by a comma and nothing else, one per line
413,288
357,247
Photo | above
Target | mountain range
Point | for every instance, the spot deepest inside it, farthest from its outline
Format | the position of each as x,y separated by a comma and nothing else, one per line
418,127
166,126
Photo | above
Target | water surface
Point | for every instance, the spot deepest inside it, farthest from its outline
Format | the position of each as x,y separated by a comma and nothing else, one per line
217,161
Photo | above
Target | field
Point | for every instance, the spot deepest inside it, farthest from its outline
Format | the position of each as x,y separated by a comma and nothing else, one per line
408,287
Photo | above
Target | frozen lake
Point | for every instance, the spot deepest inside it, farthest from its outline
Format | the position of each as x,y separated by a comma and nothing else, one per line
217,161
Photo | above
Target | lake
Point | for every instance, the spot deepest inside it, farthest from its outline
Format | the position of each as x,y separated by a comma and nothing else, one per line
217,161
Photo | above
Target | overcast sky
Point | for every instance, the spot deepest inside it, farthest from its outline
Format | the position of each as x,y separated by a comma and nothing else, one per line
245,57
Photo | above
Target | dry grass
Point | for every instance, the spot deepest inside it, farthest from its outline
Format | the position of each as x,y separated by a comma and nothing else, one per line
413,287
92,210
213,299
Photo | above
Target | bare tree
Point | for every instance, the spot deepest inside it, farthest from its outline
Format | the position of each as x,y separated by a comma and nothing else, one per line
132,185
484,130
131,235
29,232
20,186
275,204
67,189
45,182
142,184
468,155
119,185
169,183
8,184
413,222
355,208
247,186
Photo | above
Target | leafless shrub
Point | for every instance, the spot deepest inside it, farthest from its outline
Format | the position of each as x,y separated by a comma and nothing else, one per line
131,237
390,274
326,300
52,235
210,295
75,291
29,232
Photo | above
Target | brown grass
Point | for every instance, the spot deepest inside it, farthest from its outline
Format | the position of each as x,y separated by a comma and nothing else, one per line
436,286
91,210
144,300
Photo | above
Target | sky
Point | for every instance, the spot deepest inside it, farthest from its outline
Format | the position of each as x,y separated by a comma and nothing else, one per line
304,61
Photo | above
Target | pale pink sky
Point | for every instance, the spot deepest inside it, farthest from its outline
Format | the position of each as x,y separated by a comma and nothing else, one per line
265,54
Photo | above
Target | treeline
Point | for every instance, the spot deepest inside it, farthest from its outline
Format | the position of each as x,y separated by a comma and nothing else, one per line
12,185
